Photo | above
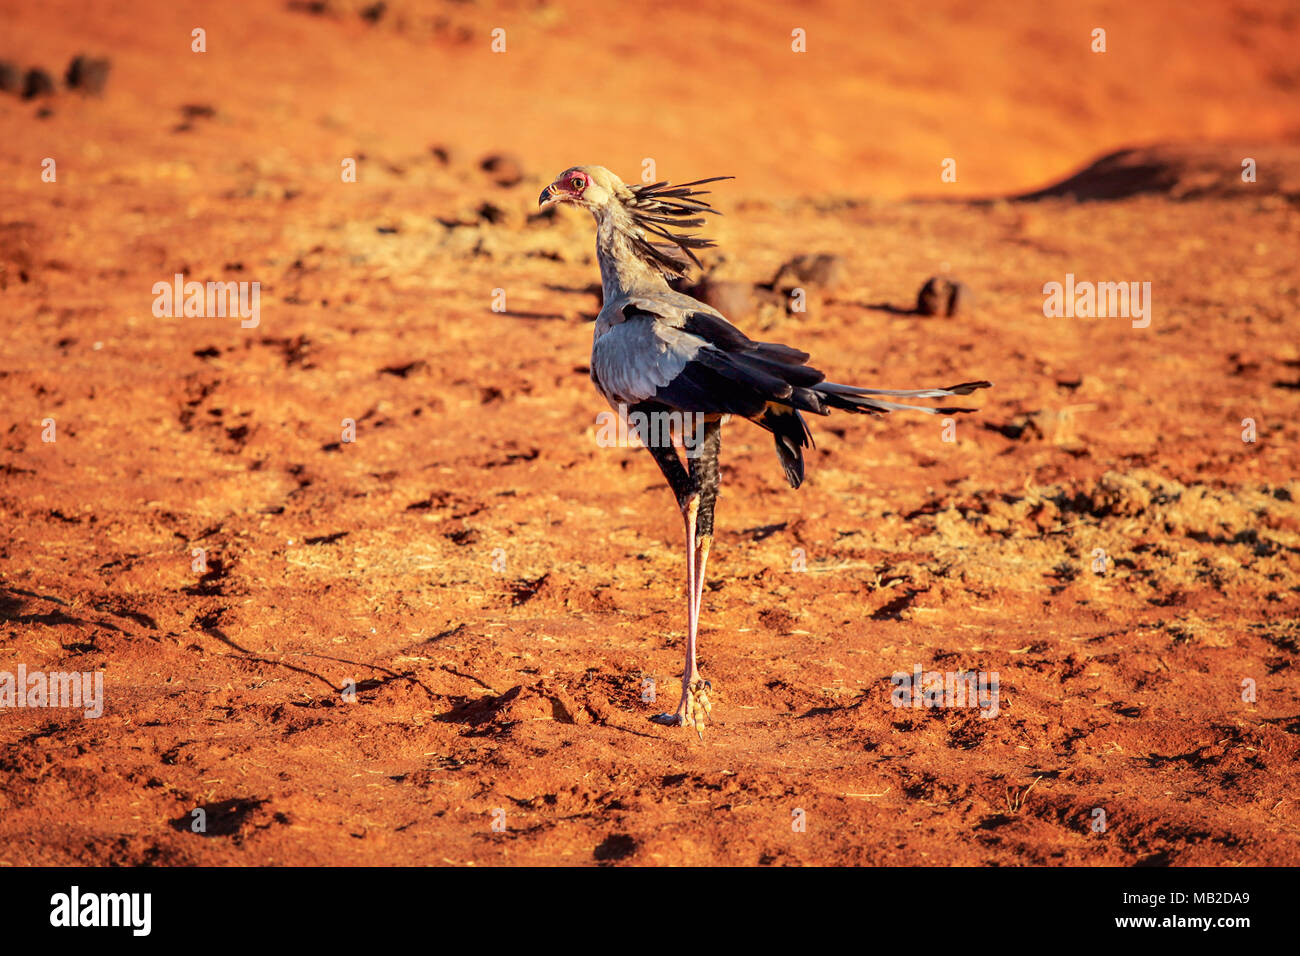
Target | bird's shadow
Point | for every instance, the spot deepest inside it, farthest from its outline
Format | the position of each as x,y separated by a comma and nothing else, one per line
389,675
891,309
590,288
547,316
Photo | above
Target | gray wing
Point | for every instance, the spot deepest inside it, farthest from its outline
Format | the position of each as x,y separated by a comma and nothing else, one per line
696,361
635,359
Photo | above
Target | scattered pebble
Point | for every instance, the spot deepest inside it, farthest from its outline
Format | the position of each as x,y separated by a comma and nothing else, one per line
822,270
734,299
940,296
88,74
740,302
37,83
503,169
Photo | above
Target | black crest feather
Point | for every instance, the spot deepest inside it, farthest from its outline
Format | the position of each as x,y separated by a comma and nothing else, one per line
661,208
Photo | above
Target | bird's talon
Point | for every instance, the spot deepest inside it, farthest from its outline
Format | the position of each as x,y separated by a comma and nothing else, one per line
698,706
694,710
702,694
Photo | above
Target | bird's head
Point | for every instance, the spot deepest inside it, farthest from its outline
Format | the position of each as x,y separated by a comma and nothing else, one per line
592,187
645,215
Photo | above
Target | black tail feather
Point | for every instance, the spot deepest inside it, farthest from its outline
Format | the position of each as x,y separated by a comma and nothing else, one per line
790,431
791,435
849,398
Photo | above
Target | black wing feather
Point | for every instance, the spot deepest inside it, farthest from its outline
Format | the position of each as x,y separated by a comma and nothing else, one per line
701,387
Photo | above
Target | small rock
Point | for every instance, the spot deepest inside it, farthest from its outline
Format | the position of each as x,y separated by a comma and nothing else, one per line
88,74
940,296
1026,427
441,153
375,12
822,271
735,299
494,215
503,169
37,83
740,302
11,78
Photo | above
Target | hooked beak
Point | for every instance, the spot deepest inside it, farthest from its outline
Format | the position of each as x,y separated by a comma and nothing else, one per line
549,196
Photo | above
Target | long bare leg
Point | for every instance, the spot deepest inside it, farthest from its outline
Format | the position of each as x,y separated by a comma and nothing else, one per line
704,471
689,672
686,490
695,705
704,474
689,711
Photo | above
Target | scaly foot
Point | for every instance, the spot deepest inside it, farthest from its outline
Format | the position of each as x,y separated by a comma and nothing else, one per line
694,708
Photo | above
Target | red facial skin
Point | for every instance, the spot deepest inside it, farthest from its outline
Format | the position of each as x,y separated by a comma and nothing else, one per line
574,183
569,186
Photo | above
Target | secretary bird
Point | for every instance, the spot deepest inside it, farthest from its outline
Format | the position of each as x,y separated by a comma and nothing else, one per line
660,352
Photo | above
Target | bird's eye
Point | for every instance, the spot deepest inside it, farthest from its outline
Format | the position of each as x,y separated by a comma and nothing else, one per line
576,183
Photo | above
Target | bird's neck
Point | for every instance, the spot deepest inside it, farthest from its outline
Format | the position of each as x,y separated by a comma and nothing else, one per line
622,271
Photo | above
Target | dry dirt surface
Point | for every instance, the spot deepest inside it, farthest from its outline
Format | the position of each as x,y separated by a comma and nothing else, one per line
430,645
